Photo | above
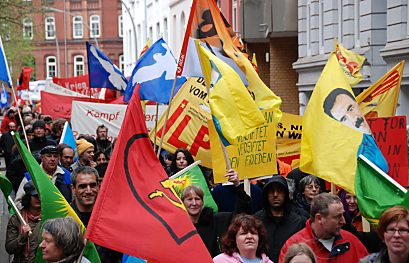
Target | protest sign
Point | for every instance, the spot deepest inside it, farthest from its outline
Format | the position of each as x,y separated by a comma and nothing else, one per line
254,155
289,131
187,125
390,136
58,106
87,116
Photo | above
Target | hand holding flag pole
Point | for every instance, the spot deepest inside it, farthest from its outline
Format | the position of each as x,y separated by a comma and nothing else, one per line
20,217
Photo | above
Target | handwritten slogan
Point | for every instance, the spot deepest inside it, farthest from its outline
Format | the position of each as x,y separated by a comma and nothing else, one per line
253,156
390,136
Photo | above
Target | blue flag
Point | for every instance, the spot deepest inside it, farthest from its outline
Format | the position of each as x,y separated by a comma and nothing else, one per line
102,72
4,68
4,97
68,138
154,72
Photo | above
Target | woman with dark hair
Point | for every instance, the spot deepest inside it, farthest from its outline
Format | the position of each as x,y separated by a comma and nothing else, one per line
181,159
101,157
211,226
351,214
393,229
244,241
308,188
21,240
62,241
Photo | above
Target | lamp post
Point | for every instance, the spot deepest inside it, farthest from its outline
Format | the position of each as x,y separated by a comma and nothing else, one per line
133,26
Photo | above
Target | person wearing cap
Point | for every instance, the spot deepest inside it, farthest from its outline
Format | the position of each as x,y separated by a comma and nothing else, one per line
40,140
10,117
85,151
58,175
19,241
278,215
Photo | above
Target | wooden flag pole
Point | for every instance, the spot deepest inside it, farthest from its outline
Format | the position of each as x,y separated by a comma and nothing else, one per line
167,116
20,217
82,251
21,119
156,126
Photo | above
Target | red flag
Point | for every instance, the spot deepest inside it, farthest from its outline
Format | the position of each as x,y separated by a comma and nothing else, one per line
137,211
24,78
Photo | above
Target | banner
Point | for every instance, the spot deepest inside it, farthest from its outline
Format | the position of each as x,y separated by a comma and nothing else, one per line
187,125
58,106
390,136
51,87
87,116
289,131
253,156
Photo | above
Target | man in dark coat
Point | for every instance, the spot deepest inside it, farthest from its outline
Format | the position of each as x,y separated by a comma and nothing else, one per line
278,215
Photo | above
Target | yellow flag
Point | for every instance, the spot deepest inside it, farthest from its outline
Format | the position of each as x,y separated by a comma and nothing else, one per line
234,111
335,131
350,63
381,99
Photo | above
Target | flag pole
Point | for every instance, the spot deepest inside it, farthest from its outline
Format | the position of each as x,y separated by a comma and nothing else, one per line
156,126
185,169
82,251
21,119
167,116
385,175
20,217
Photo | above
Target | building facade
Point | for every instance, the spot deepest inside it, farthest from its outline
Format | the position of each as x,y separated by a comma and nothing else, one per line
60,34
376,29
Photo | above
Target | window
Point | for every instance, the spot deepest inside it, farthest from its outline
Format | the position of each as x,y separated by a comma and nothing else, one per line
158,30
49,27
78,66
121,63
183,21
165,29
150,33
95,26
77,28
235,18
120,26
51,66
27,28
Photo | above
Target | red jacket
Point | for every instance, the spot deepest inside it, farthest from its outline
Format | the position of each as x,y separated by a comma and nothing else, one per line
347,248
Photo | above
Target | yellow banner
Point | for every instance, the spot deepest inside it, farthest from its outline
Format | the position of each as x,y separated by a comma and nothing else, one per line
289,131
187,124
350,62
253,156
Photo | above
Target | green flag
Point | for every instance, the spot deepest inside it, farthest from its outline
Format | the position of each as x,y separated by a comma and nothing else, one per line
6,187
375,193
192,175
53,203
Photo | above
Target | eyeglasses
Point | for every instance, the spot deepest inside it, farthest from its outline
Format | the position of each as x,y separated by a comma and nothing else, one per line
400,231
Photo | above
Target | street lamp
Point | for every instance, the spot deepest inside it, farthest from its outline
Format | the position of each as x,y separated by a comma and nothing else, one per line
133,26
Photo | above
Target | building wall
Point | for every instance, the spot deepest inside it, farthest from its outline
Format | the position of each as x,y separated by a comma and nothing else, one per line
109,40
283,79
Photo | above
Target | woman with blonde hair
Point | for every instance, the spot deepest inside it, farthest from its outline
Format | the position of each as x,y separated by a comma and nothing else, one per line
300,253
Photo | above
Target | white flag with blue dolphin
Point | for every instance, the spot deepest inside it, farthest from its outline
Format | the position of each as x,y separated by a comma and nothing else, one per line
154,72
4,68
102,72
68,138
4,97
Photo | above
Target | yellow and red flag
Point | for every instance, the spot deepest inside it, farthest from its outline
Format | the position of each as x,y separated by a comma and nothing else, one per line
350,62
381,99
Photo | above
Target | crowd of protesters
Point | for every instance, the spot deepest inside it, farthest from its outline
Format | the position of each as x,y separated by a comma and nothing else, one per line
289,217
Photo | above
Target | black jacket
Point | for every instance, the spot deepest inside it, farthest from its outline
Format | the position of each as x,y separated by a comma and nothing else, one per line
211,227
279,229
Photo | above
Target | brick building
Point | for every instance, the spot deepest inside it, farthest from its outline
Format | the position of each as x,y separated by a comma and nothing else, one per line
59,36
